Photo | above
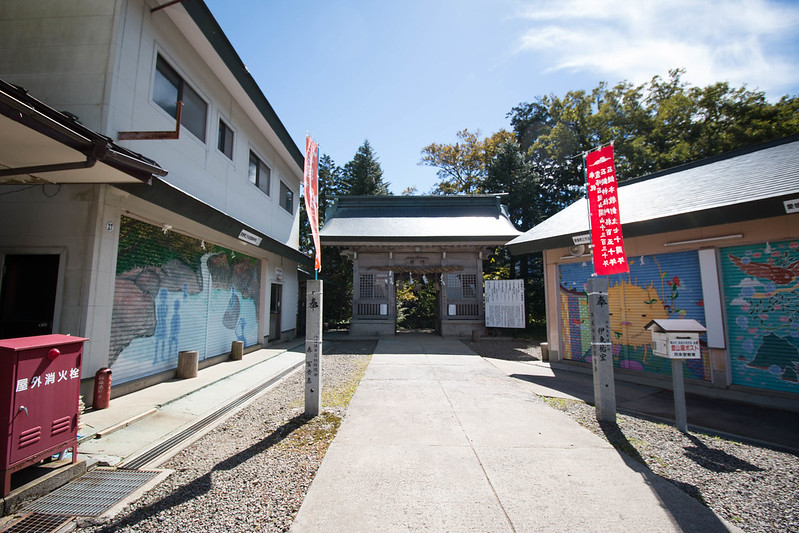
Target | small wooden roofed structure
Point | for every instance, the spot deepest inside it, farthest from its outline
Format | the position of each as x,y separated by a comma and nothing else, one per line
443,238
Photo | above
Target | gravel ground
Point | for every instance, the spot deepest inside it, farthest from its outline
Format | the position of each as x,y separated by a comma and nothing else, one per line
753,487
252,472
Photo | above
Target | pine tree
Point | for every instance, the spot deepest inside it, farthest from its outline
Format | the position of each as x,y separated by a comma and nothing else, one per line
363,176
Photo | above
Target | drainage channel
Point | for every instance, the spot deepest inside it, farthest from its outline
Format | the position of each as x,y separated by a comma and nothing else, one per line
174,441
40,522
94,493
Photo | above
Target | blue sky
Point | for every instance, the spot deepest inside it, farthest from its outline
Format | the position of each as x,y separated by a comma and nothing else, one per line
407,74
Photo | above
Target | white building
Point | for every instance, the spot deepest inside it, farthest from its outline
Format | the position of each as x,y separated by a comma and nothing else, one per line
143,264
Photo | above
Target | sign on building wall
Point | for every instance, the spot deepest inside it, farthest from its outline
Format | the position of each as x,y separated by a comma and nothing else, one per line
504,303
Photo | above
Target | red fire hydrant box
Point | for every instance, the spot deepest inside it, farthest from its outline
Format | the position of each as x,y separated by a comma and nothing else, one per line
39,398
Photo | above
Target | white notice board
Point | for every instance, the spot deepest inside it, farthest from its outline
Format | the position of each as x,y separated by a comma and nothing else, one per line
504,302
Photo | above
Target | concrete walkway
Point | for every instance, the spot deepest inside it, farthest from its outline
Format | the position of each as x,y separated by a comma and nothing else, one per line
437,438
139,421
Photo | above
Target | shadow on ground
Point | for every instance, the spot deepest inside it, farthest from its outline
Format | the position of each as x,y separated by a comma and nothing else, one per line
202,484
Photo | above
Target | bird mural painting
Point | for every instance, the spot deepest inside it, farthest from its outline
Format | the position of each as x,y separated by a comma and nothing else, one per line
770,271
773,354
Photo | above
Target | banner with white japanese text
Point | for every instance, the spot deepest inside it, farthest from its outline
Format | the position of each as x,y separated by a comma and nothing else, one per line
311,185
603,206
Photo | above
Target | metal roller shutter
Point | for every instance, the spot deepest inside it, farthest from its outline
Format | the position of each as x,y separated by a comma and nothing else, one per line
657,286
761,296
174,292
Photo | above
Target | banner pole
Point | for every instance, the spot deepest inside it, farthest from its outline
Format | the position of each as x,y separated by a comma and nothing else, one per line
601,339
588,212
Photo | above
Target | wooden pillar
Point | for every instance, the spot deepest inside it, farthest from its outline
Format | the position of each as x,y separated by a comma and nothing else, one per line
236,350
188,363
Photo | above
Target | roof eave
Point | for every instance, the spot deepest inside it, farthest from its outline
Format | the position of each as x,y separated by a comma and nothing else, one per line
205,21
18,106
493,240
741,212
169,197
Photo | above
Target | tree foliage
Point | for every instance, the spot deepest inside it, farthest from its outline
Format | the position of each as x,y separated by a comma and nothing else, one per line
654,126
363,176
462,166
416,303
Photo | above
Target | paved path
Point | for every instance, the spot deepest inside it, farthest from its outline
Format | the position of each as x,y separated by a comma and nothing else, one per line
438,439
137,422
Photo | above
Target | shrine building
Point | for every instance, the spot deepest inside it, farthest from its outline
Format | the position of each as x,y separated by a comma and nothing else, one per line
439,240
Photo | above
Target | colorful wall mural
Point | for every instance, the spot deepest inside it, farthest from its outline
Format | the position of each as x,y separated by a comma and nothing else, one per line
174,292
761,290
657,286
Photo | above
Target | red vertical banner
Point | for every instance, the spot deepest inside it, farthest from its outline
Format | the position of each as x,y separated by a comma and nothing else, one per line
311,185
603,206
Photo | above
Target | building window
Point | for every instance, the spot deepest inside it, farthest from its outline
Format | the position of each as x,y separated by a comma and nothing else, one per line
225,139
286,198
371,288
367,286
461,286
260,174
169,87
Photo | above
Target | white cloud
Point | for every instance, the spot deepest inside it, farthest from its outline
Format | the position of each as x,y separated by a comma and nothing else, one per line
744,42
749,282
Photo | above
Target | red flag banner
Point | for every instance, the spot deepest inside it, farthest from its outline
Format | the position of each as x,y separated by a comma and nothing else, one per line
603,206
311,185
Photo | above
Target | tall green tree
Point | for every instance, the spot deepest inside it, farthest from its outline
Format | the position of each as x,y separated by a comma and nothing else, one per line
654,126
363,176
462,166
511,173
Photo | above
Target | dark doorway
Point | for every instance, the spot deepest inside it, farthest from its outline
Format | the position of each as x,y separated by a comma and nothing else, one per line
417,302
27,295
275,306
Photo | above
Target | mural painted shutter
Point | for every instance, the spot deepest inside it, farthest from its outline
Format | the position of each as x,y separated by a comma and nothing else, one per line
174,293
232,311
575,332
761,297
658,286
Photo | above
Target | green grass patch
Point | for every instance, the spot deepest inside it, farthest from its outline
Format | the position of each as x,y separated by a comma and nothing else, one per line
561,404
341,395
